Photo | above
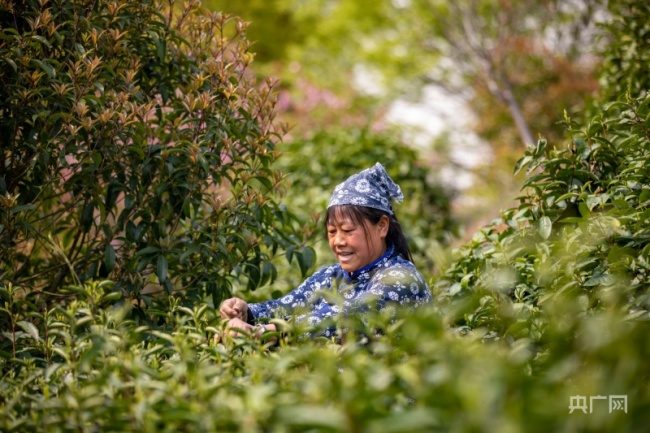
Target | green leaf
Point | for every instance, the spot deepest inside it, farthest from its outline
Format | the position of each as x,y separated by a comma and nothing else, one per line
109,257
87,216
522,162
644,196
51,369
600,279
163,336
161,269
544,227
49,70
269,273
305,257
29,328
22,208
129,201
617,253
289,253
12,64
112,297
572,220
265,181
42,40
540,148
313,416
147,250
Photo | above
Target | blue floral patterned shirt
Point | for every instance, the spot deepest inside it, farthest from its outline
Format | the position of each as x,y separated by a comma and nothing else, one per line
389,280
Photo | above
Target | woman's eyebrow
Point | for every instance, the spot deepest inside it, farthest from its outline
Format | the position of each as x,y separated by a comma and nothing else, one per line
340,222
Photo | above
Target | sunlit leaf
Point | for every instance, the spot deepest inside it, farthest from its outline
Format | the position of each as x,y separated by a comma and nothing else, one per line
544,227
29,328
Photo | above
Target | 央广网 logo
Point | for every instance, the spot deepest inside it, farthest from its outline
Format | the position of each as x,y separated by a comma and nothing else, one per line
579,402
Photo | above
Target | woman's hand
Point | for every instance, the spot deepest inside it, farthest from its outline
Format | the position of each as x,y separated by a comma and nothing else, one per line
234,308
234,328
237,327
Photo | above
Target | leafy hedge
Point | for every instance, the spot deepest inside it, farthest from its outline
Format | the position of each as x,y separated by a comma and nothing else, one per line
135,145
581,228
85,367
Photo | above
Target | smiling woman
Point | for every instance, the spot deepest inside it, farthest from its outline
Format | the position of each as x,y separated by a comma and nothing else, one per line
374,268
354,242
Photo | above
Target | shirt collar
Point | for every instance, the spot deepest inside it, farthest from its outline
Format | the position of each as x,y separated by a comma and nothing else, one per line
356,274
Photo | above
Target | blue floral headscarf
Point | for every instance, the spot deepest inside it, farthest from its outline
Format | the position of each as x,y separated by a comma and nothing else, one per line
370,188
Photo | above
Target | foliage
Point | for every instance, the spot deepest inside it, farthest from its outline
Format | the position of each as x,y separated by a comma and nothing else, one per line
272,17
135,145
86,367
548,303
580,228
527,56
627,50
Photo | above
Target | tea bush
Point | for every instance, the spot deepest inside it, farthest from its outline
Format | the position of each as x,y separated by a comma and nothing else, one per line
626,50
85,367
135,145
581,228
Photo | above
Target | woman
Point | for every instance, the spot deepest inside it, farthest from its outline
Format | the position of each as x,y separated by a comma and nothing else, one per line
374,269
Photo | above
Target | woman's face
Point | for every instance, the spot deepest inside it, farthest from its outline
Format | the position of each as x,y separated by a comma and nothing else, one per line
355,247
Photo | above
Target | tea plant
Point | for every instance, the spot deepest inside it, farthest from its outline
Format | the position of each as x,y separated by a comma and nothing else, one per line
86,367
135,145
580,229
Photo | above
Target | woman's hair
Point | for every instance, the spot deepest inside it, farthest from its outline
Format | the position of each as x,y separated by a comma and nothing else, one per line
360,214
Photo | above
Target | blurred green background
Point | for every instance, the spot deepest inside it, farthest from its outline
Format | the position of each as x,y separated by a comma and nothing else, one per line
466,85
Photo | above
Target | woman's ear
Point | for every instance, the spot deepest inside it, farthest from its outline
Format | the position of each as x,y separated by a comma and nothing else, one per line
383,224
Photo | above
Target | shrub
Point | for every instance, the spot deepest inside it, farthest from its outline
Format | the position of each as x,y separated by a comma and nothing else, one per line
135,145
580,229
84,367
627,50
